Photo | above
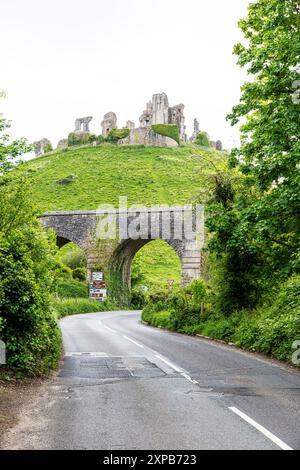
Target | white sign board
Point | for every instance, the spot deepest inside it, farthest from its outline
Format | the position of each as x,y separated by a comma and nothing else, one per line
97,276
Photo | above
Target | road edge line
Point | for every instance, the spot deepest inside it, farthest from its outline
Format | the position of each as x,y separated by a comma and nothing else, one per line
260,428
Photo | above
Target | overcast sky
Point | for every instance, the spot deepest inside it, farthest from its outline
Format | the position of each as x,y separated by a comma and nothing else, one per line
62,59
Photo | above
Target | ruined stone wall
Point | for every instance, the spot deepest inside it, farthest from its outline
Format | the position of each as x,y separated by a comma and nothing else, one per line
146,136
109,122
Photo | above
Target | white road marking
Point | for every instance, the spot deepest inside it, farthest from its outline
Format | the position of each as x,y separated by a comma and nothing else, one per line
173,366
177,369
187,377
109,329
94,353
261,429
134,342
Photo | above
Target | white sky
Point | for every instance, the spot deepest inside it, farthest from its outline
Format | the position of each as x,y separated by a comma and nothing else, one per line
62,59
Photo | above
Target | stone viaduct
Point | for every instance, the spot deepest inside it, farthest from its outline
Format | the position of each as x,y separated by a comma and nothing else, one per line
110,239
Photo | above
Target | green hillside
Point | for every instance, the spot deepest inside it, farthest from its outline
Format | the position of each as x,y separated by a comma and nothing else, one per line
84,178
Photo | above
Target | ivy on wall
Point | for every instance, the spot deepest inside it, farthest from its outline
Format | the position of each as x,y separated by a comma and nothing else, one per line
167,130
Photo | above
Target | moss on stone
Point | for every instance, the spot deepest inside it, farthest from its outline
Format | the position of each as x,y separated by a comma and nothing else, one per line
202,139
80,138
117,134
167,130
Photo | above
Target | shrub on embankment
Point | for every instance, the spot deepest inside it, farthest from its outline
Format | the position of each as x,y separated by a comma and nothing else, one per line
71,288
27,325
270,329
65,307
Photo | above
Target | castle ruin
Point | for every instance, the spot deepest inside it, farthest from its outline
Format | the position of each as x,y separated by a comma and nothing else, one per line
157,111
109,123
82,124
41,147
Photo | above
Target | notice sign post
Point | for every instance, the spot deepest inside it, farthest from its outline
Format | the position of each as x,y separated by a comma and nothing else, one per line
98,289
97,276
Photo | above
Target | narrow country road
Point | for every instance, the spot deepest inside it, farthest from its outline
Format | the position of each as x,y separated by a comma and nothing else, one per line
124,385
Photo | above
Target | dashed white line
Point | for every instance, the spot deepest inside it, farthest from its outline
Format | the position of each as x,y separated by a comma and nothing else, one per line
134,342
261,429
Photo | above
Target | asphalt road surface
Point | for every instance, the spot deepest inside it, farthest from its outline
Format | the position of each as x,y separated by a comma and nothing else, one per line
124,385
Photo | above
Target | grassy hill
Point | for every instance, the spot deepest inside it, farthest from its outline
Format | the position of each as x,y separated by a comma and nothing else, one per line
84,178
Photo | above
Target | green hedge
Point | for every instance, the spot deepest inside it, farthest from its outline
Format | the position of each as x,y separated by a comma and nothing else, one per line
167,130
271,329
65,307
117,134
27,326
80,138
71,288
202,139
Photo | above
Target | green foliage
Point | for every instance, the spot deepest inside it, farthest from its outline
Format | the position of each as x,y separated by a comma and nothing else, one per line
137,300
10,150
167,130
254,219
100,139
117,134
240,261
80,138
270,144
118,292
28,328
65,307
199,291
183,304
154,264
79,274
72,256
270,329
159,319
147,175
202,139
48,148
65,272
71,288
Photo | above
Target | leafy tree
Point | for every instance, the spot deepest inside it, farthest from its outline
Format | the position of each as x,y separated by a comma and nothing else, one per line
202,139
270,144
10,149
27,325
255,217
27,268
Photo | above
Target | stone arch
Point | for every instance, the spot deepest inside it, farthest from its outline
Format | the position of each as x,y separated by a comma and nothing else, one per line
63,237
71,226
119,268
114,257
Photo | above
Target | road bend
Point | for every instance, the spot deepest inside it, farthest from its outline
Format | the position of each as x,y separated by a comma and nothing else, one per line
125,385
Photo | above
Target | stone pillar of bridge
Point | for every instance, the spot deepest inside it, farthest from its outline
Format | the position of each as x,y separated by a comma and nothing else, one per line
98,256
190,265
